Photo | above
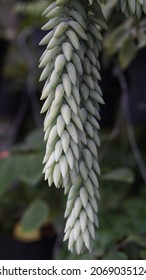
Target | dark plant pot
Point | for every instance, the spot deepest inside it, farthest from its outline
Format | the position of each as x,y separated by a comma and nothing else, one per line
11,249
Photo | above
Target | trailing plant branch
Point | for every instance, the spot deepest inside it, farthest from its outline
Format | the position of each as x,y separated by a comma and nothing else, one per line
72,97
130,129
72,105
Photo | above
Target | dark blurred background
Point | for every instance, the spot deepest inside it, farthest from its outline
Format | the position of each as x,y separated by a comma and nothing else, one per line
31,213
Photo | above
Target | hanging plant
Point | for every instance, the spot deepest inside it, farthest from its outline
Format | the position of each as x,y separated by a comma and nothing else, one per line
132,7
72,98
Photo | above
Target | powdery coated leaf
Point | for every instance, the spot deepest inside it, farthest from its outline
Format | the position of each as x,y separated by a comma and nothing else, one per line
67,234
58,150
69,207
65,140
89,187
67,84
71,101
60,63
86,238
56,174
83,170
96,167
75,149
71,240
76,229
53,134
71,72
50,162
83,220
90,212
79,244
66,113
67,50
60,125
77,206
92,148
73,192
93,202
63,166
91,229
88,158
93,178
70,158
84,196
73,132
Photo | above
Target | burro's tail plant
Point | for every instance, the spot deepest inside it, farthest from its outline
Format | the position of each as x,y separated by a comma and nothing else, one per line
72,97
132,7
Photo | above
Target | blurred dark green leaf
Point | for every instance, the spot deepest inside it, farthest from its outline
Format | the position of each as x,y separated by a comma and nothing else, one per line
136,207
28,168
116,256
25,167
143,254
138,239
119,174
115,39
35,215
24,163
6,174
141,40
35,139
127,53
34,9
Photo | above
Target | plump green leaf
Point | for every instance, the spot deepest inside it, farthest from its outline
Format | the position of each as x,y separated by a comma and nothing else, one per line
35,215
120,175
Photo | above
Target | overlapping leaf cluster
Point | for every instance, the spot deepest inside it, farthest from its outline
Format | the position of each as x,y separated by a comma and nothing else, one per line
132,7
72,96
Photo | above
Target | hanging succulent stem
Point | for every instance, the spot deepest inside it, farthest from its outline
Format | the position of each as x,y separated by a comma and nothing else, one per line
72,96
132,7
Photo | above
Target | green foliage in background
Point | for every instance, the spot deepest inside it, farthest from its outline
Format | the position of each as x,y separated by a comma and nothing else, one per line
122,214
